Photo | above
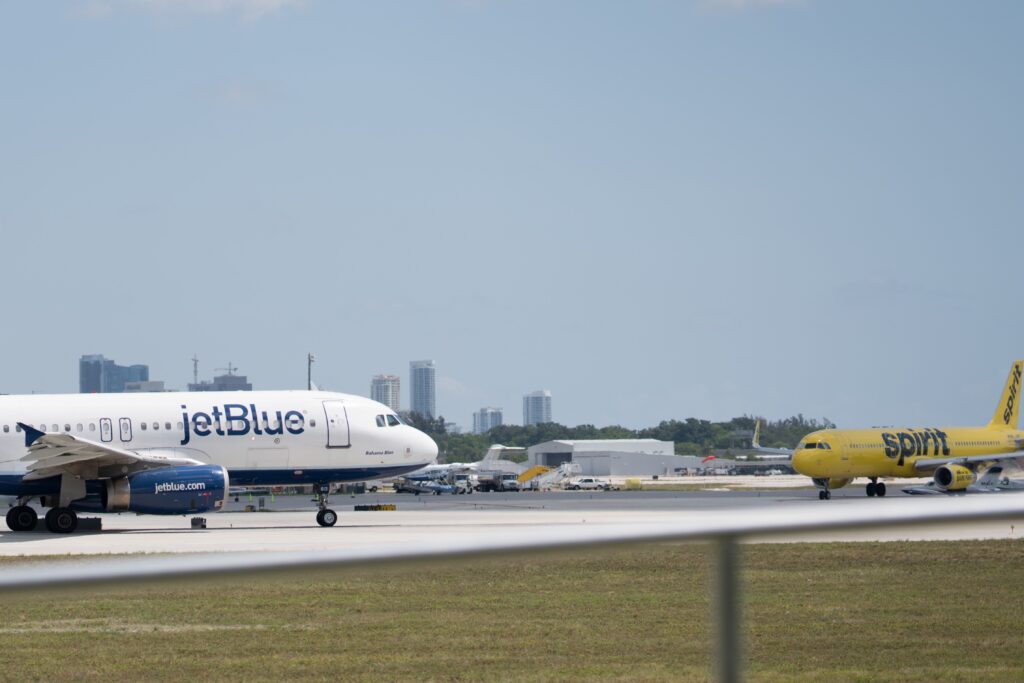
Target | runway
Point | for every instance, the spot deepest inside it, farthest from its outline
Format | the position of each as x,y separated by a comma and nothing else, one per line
440,524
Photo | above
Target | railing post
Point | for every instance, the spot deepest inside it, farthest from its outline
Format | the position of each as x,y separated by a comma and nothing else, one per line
727,607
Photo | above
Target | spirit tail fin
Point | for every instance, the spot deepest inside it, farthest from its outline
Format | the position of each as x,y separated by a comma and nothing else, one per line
1008,410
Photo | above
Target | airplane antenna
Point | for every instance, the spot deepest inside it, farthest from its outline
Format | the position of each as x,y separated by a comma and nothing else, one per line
310,359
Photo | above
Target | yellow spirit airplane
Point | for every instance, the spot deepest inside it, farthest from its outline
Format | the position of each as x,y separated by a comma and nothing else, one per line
954,455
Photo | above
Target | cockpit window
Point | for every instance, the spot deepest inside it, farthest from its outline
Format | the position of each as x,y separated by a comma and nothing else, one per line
812,444
824,446
393,420
380,420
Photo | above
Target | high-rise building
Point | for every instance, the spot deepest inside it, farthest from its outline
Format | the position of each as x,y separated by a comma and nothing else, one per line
385,389
537,408
421,376
98,375
485,419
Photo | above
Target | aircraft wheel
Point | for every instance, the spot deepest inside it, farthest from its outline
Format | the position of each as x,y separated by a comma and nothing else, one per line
21,518
326,517
824,495
880,489
61,520
871,489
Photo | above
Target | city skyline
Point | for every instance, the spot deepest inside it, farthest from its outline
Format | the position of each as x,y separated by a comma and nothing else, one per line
659,210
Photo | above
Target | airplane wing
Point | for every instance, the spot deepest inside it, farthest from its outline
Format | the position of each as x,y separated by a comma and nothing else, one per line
928,464
770,453
54,454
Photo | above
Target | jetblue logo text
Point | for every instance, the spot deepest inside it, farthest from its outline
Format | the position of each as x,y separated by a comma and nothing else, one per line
1012,398
175,487
237,420
915,442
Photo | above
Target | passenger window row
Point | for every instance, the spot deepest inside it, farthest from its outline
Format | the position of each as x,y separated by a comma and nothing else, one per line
144,426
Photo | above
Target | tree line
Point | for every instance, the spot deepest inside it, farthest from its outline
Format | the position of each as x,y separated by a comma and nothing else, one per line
692,436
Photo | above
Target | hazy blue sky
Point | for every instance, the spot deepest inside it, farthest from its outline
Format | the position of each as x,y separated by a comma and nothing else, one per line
653,209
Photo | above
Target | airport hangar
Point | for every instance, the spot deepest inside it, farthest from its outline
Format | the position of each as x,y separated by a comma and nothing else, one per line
612,457
631,458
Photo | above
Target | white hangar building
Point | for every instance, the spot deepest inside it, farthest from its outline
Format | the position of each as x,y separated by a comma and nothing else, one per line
611,457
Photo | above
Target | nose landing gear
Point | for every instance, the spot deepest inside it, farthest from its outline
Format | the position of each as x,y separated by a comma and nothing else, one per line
326,516
823,485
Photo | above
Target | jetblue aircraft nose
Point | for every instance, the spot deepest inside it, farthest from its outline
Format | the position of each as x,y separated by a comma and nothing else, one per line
424,447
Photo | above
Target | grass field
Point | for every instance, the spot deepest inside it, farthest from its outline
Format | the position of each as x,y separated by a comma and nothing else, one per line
814,612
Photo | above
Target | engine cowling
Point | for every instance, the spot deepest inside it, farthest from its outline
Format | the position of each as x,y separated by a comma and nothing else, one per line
181,490
953,478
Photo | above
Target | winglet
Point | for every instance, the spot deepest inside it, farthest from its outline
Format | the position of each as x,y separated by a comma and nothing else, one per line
31,433
1008,409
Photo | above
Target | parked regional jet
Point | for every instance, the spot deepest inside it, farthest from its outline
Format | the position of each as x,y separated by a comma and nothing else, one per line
955,455
174,453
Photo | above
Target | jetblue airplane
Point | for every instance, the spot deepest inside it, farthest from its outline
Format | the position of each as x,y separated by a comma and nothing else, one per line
175,453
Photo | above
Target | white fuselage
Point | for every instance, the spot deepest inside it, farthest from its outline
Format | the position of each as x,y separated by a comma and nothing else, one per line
260,437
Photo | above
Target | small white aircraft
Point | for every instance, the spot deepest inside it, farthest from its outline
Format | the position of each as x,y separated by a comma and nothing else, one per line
492,460
175,453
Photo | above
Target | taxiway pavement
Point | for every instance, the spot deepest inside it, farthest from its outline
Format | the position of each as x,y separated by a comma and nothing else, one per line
461,522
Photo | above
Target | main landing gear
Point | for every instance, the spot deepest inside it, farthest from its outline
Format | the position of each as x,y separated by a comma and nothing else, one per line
58,520
22,518
326,516
61,520
875,488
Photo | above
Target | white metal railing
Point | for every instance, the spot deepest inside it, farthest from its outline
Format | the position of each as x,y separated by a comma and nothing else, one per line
726,532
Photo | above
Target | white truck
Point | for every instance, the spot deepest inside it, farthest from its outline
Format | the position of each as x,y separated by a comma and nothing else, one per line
588,484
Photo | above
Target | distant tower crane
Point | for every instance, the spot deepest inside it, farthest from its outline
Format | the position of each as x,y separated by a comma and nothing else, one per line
230,369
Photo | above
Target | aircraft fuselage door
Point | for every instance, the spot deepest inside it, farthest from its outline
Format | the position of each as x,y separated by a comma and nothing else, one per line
126,428
106,430
337,425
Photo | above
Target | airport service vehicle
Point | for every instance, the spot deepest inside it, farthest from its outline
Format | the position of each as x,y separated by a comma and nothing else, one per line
498,481
180,453
955,456
588,483
462,482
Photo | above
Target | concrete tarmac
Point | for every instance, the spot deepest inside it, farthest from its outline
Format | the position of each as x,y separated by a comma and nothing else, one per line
288,522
